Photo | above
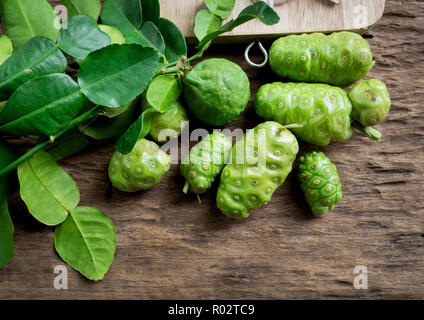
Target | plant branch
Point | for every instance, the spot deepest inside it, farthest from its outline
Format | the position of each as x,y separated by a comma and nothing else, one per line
196,56
50,141
177,66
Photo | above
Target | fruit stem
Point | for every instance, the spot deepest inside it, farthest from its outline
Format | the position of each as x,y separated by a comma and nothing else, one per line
369,131
198,198
175,67
293,126
164,71
186,187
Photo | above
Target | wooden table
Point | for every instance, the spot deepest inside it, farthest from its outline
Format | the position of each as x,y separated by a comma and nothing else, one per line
170,247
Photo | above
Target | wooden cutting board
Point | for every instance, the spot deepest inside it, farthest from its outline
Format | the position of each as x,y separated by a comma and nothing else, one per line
297,16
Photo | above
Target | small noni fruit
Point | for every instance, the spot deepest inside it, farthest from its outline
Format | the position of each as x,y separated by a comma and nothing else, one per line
260,164
205,162
216,91
322,110
141,169
339,59
167,125
371,102
320,182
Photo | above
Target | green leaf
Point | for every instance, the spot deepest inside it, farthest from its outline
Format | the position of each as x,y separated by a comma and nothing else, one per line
138,130
82,37
116,112
115,75
221,8
175,44
36,58
89,7
6,235
48,191
7,156
148,36
87,242
25,19
106,128
206,22
126,15
2,105
67,145
128,19
259,10
6,48
42,106
163,91
116,36
151,11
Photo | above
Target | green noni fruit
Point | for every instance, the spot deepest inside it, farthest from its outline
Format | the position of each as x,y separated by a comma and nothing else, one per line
322,110
216,91
339,59
320,182
141,169
116,37
259,165
169,124
205,162
371,102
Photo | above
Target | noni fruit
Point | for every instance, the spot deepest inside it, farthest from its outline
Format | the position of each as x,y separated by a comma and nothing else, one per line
169,124
205,162
371,102
259,165
339,59
216,91
320,182
141,169
323,111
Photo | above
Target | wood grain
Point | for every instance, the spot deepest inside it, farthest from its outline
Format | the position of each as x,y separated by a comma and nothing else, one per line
297,16
170,247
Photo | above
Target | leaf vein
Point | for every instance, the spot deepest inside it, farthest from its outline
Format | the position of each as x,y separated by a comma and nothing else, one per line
86,242
43,185
26,18
36,112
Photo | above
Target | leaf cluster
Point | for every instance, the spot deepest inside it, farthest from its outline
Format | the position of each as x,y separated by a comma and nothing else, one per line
65,113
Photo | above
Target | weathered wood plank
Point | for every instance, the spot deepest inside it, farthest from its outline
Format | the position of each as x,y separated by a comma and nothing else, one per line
171,247
296,17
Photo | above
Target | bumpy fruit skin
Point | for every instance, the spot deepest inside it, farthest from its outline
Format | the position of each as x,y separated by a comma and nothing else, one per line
339,59
141,169
168,123
320,182
248,185
323,110
205,162
371,102
216,91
